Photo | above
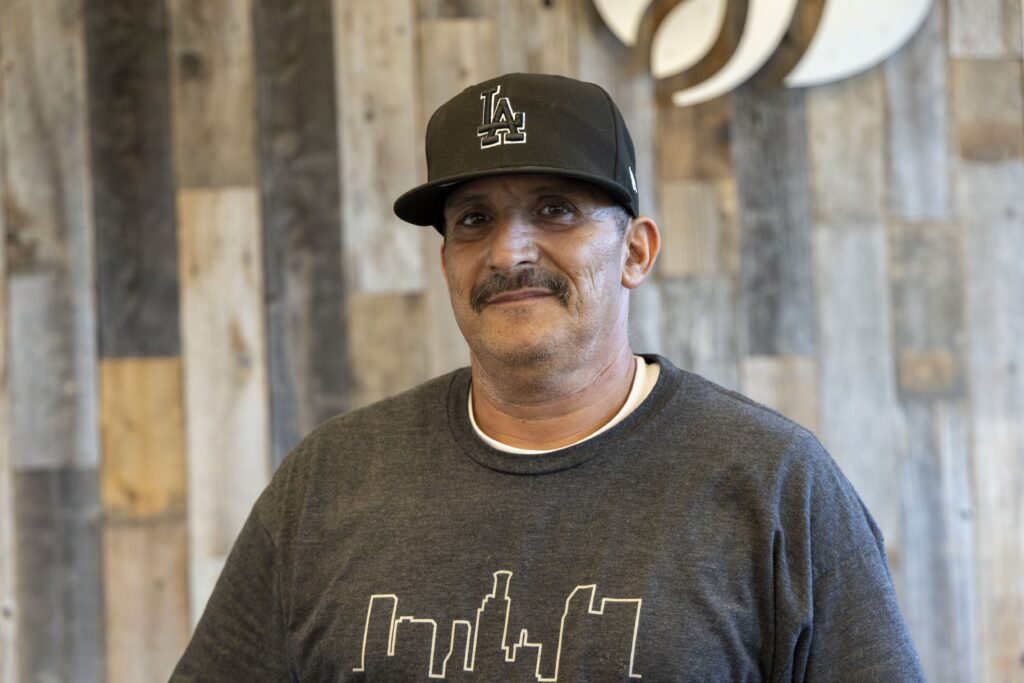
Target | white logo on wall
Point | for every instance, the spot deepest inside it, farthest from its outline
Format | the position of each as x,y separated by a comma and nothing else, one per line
852,36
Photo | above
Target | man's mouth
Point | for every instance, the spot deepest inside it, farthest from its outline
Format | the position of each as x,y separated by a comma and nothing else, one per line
520,295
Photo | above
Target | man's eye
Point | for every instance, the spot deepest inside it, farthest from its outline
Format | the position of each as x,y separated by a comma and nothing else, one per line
556,210
472,218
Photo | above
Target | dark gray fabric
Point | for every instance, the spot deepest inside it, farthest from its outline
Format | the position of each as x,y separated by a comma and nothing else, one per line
704,538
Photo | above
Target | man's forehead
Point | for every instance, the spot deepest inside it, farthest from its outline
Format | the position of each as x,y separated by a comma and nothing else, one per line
533,184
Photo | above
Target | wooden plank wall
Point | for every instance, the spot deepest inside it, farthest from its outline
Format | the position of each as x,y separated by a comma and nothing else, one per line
199,264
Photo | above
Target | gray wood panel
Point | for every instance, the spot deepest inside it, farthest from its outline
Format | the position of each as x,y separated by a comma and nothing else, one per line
937,595
213,92
60,585
133,187
776,285
378,123
8,547
918,160
991,205
308,372
846,149
699,326
985,29
860,417
47,200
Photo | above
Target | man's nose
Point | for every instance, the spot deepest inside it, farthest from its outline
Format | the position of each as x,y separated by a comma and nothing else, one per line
513,242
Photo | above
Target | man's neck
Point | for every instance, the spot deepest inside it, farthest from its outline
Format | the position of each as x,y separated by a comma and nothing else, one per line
529,409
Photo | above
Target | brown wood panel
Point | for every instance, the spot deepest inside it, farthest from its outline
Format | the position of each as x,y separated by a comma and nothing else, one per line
788,384
132,174
846,149
987,106
384,343
301,216
146,606
143,471
925,266
47,202
454,54
859,409
378,119
60,584
224,355
213,92
991,206
917,141
692,229
985,29
694,142
699,326
777,315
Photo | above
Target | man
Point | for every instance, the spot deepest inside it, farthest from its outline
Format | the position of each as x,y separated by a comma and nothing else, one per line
563,509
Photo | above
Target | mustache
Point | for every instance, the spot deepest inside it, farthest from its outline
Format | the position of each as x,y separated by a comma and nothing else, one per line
532,278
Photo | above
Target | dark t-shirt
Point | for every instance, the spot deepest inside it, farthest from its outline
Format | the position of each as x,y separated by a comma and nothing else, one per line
703,538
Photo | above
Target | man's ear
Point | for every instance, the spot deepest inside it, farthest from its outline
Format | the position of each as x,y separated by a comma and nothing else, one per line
643,241
444,271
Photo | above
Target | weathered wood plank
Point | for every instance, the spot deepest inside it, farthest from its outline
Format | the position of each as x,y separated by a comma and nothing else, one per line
987,105
224,359
991,206
143,471
937,595
777,315
454,54
927,297
133,188
692,229
788,384
301,215
985,29
145,571
859,410
378,133
391,359
537,36
918,125
699,326
213,93
8,547
60,587
695,142
846,149
47,202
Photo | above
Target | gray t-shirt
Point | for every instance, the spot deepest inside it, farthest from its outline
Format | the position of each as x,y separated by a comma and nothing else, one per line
703,538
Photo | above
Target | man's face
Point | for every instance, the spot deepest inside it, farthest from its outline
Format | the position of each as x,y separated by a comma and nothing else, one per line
534,266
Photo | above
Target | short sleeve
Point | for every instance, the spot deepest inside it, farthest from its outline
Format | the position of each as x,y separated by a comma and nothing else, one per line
241,635
857,632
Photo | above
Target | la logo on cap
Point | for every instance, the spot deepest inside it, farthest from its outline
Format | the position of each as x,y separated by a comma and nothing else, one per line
501,124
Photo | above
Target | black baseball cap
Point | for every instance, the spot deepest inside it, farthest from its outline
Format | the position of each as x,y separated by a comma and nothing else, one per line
524,123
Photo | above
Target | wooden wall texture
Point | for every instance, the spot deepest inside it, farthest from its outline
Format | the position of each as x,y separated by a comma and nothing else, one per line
200,263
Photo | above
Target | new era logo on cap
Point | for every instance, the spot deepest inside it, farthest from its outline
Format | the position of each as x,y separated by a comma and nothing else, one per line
501,124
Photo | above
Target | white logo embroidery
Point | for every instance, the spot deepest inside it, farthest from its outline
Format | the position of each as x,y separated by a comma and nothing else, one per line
632,178
501,124
852,36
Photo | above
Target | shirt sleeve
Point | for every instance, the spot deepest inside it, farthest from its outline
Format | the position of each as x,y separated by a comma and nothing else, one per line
857,632
241,635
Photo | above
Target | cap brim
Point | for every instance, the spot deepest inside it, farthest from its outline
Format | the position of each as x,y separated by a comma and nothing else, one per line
424,205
